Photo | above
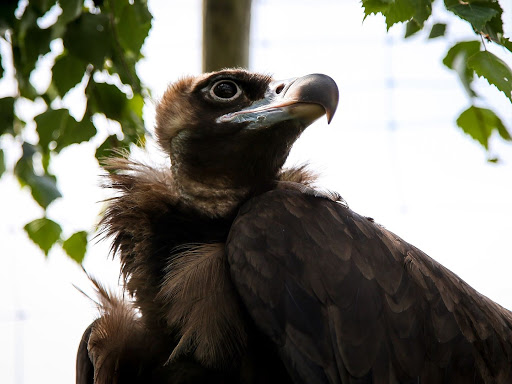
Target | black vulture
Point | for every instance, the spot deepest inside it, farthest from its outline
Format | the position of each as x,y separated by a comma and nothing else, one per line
236,270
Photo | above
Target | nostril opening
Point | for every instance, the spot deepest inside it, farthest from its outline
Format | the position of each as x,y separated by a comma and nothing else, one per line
279,88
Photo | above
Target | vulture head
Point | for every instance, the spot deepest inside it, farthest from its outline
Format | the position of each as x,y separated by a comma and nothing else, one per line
235,128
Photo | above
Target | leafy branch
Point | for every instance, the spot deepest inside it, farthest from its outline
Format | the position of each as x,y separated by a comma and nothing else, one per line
100,50
466,58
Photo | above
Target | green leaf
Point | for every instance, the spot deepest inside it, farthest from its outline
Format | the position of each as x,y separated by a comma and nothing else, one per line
399,11
124,65
2,162
76,246
456,59
111,144
71,9
42,5
76,133
36,43
1,66
464,49
67,72
6,115
133,25
507,44
132,123
24,168
107,99
50,125
22,75
437,30
7,18
494,70
57,125
480,123
89,38
493,29
422,11
42,187
411,28
44,232
477,14
503,132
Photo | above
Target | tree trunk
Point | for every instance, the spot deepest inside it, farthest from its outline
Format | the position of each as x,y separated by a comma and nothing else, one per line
226,29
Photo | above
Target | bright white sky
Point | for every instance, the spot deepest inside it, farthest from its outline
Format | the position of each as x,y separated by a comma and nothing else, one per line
392,151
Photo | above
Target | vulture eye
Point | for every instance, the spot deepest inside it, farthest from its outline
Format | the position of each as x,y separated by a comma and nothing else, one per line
225,90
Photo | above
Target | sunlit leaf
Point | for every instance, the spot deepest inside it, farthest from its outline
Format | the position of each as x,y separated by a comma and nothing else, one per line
480,123
136,104
45,161
76,245
6,115
67,72
437,30
44,232
494,70
456,59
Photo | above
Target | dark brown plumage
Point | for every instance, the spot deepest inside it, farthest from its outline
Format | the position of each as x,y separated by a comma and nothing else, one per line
241,272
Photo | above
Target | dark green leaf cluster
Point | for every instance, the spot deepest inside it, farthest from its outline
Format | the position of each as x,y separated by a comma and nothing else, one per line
97,37
466,58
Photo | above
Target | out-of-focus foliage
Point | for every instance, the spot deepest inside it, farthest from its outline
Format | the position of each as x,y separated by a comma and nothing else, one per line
100,43
466,58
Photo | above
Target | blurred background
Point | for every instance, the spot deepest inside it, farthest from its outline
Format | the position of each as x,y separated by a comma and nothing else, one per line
393,151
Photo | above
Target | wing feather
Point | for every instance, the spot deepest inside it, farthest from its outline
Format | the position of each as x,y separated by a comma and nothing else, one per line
347,301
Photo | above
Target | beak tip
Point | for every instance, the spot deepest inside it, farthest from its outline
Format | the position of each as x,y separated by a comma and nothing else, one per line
329,116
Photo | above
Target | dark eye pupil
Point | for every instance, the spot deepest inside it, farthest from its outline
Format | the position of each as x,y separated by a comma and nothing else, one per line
225,90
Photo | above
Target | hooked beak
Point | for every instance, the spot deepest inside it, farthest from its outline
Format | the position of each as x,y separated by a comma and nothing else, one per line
305,98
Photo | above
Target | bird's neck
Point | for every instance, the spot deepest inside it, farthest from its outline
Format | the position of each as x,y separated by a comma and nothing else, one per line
217,197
